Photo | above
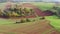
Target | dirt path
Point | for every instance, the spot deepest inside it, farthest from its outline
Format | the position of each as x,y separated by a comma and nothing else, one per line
40,27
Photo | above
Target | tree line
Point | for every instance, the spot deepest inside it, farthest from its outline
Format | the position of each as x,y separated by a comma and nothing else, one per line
16,11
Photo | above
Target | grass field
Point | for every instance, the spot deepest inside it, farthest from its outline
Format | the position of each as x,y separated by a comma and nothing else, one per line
44,6
54,21
9,23
41,5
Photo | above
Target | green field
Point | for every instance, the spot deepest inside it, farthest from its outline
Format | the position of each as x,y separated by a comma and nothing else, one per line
54,21
41,5
44,6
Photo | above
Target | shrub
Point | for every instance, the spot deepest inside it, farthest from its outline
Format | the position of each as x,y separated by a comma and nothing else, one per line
33,20
58,12
27,20
54,7
48,13
22,21
17,22
42,18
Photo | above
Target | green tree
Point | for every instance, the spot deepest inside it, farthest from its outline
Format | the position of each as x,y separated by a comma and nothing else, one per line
27,11
58,12
28,20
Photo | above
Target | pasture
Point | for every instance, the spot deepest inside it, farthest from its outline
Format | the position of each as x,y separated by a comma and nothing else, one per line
54,21
44,6
8,26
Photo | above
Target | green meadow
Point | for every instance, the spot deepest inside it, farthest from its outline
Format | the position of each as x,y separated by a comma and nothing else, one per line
54,21
44,6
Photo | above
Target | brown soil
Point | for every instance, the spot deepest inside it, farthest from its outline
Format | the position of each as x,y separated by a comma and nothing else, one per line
40,27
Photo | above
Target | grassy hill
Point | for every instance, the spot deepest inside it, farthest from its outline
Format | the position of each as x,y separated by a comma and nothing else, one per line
43,6
54,21
7,24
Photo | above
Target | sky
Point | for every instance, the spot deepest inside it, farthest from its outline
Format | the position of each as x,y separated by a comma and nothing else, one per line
40,0
52,0
28,0
34,0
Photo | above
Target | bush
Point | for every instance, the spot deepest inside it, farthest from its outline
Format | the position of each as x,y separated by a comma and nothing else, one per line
27,20
17,22
54,7
42,18
22,21
48,13
33,20
58,12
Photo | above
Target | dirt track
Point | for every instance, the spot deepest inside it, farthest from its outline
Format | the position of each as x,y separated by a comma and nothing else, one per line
38,27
